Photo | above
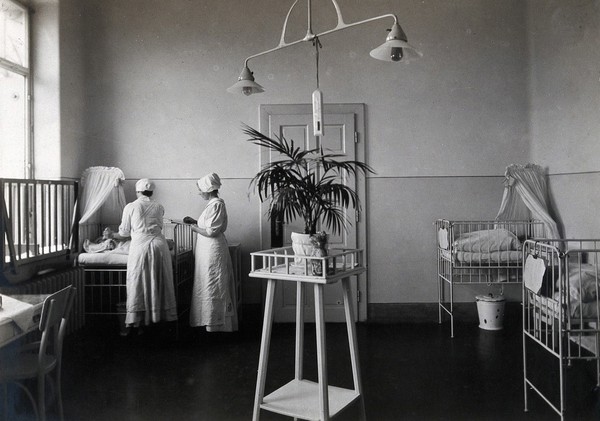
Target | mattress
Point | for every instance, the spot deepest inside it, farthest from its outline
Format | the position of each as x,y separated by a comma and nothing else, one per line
474,258
506,256
106,258
102,259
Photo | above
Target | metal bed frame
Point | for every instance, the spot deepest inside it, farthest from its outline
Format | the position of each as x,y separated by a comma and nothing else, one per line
105,286
451,271
551,322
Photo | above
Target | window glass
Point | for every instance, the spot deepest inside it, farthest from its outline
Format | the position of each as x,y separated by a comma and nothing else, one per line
13,33
15,156
12,121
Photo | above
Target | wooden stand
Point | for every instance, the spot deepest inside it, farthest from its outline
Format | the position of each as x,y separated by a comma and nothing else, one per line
302,398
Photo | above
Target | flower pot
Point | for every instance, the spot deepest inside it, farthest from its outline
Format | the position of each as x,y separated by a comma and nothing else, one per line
302,246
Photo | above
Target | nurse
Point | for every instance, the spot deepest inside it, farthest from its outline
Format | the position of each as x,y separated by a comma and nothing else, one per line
150,290
214,296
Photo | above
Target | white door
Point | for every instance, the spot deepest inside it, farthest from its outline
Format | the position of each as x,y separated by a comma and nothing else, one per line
341,136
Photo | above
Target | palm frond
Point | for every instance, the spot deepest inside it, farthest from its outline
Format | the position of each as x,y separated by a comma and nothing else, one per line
305,184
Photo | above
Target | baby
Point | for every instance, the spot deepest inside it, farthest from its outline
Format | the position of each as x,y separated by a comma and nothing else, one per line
107,234
104,243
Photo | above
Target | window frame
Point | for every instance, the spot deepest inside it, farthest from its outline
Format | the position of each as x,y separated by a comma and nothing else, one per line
28,87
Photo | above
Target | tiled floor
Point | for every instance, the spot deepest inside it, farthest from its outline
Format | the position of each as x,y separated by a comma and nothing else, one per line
410,372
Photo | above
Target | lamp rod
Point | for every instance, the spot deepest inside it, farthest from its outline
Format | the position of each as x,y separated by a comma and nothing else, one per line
310,35
309,32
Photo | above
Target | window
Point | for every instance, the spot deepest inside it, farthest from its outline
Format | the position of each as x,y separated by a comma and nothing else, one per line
15,149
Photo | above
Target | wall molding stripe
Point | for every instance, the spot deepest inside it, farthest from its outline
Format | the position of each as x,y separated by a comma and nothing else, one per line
388,177
434,176
186,178
573,173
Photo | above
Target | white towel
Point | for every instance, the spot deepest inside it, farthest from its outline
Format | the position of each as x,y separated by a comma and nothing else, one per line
533,274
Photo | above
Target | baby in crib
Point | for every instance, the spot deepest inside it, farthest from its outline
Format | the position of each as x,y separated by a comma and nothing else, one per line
102,244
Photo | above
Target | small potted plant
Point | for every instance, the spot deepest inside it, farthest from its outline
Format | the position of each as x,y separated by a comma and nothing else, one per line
295,190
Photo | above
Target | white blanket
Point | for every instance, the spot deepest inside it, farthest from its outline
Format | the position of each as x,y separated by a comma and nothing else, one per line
487,241
106,257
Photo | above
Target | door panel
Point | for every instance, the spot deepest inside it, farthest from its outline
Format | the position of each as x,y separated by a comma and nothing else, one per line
338,137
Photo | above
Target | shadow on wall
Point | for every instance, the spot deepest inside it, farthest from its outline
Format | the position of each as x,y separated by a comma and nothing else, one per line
552,207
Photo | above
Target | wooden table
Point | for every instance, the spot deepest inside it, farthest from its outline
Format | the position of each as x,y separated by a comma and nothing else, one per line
19,315
301,398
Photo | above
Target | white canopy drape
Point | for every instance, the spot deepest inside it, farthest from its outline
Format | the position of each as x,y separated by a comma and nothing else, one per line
102,198
526,196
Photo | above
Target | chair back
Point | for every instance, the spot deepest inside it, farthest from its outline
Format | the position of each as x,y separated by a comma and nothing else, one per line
53,321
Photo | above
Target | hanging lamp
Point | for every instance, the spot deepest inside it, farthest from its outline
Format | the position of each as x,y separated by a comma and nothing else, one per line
395,49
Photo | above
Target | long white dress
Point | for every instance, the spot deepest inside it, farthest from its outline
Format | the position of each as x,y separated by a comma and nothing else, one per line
150,290
214,296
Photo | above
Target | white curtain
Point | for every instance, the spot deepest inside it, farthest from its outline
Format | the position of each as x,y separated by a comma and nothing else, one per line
102,198
526,196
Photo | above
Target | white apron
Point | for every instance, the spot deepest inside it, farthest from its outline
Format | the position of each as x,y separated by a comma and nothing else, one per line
214,296
150,291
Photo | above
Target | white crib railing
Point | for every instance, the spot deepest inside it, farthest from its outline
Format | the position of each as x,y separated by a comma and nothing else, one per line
37,220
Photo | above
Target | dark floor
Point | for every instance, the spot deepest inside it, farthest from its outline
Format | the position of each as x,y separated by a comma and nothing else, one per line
409,372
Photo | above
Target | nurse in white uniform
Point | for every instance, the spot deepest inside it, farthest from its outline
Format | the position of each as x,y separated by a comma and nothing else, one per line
214,296
150,290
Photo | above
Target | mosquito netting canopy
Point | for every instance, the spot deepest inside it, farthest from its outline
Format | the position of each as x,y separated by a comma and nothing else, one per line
102,198
526,197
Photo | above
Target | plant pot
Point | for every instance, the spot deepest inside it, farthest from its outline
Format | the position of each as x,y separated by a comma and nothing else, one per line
302,246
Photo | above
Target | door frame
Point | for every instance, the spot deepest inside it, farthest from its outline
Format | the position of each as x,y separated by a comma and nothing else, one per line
265,113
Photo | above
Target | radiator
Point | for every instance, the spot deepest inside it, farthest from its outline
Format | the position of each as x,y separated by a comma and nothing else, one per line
52,282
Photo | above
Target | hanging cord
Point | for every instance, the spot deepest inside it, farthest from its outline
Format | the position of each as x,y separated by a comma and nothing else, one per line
317,44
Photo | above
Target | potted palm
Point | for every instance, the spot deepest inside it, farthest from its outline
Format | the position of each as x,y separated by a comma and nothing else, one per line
305,184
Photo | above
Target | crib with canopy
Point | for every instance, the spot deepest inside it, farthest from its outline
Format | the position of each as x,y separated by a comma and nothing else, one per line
101,205
471,252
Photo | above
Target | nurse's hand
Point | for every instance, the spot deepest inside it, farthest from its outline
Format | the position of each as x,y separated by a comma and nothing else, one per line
189,220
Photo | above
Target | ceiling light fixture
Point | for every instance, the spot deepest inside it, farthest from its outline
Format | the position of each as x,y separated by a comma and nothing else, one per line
395,49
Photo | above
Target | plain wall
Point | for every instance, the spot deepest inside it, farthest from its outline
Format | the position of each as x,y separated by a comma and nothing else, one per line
565,98
72,89
149,80
155,75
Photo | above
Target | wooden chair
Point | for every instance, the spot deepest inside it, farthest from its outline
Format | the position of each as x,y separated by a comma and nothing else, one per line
39,359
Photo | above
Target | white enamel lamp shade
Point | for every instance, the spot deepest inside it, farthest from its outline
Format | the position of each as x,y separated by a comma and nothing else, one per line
396,47
246,84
